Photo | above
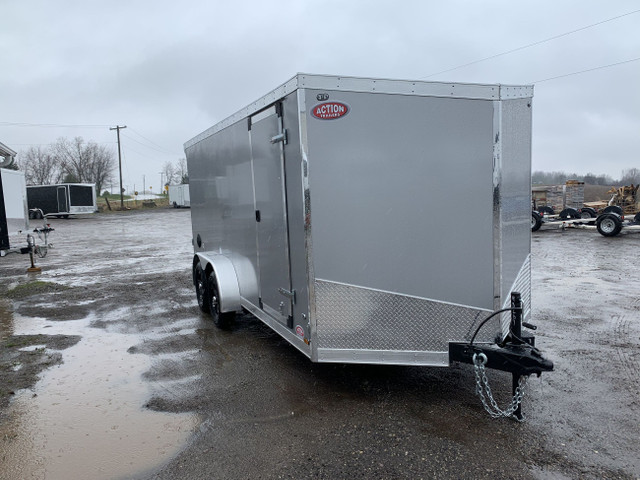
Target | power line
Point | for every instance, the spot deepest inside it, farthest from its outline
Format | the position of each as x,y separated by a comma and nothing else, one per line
533,44
22,124
588,70
163,151
150,141
49,144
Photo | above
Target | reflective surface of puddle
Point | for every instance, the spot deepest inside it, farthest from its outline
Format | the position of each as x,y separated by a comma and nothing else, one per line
86,418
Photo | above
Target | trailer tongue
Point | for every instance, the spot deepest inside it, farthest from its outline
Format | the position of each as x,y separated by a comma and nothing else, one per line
517,355
327,210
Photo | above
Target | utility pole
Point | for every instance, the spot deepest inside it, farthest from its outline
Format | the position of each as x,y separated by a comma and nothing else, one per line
117,129
161,182
144,185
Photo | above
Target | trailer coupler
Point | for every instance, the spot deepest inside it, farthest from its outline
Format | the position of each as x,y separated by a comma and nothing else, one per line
516,355
519,359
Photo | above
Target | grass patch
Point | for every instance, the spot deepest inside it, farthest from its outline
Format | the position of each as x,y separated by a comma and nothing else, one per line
37,287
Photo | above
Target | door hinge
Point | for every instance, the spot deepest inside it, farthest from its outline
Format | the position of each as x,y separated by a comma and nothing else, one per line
282,137
258,215
291,295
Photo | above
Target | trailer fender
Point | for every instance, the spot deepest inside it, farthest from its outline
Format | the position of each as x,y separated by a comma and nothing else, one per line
226,277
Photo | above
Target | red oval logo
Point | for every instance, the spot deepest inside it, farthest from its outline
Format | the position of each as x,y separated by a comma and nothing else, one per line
330,110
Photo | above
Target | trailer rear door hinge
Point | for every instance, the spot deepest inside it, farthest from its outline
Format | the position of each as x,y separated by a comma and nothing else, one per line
289,294
282,137
257,215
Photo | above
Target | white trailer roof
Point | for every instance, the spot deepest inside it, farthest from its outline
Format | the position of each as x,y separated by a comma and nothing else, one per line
422,88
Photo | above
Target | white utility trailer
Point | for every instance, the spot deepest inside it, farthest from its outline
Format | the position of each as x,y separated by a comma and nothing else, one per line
16,236
14,218
327,209
179,195
609,222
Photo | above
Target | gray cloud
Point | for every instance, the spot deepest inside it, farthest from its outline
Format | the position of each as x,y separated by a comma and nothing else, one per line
169,70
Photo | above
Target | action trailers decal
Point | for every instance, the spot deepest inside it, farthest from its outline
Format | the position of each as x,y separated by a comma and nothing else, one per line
330,110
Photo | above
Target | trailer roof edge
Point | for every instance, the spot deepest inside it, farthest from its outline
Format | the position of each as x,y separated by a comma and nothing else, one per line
475,91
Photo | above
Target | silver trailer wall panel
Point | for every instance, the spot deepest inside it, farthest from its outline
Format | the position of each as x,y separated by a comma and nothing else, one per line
367,220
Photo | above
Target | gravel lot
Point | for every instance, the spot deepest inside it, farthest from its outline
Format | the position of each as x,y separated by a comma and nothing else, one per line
109,370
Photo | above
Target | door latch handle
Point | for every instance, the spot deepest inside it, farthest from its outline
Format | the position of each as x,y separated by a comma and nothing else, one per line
289,294
282,137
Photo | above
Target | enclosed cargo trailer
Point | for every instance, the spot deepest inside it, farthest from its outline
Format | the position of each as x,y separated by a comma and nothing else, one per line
14,219
179,195
330,209
62,200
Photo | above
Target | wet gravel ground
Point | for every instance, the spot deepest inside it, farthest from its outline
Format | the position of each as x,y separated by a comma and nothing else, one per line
140,376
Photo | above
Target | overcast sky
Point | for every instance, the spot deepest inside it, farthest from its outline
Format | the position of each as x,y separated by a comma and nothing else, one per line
169,70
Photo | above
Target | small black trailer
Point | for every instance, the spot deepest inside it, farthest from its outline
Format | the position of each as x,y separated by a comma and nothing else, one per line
61,200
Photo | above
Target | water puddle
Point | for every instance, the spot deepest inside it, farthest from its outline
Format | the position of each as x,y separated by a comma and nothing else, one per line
85,417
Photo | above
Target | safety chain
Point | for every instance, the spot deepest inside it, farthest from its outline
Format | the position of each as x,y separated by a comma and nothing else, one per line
482,386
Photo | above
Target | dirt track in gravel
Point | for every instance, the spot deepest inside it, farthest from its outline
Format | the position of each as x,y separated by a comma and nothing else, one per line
131,370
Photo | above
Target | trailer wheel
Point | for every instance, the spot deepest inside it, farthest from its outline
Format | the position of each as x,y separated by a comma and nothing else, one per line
221,320
547,210
613,209
609,224
588,213
200,280
569,213
536,221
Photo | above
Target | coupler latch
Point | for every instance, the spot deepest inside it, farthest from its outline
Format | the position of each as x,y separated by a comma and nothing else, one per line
517,355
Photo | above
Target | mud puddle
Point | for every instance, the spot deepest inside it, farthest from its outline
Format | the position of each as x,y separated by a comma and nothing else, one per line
85,418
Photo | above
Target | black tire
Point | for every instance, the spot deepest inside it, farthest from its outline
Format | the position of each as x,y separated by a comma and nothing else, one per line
569,213
202,289
588,213
536,221
609,224
613,209
221,320
547,210
636,219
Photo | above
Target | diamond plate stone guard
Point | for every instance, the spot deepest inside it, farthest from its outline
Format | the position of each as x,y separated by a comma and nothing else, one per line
357,318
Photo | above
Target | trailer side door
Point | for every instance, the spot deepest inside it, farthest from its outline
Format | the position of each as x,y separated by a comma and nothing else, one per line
267,152
62,199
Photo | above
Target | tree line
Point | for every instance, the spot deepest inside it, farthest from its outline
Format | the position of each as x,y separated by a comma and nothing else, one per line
630,176
77,161
68,161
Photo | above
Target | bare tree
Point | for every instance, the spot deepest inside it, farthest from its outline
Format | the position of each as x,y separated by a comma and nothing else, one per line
101,165
169,173
84,162
40,167
181,170
630,176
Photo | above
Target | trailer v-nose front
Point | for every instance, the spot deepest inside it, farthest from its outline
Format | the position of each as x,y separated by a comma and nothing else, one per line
328,207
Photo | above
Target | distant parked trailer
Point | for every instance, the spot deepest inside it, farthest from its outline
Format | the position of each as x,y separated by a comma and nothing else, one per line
179,195
62,200
609,223
13,208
